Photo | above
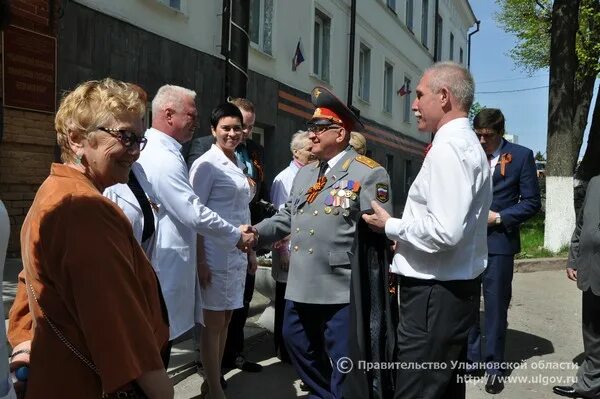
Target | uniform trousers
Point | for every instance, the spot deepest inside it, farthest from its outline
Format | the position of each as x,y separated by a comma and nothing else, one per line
234,346
588,375
497,292
278,322
316,337
435,318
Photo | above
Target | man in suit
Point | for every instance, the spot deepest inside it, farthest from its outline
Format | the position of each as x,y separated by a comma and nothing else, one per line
582,267
321,216
516,198
250,155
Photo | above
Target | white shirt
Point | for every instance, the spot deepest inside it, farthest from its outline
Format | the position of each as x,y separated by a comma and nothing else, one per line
282,185
122,195
496,157
443,232
331,163
181,216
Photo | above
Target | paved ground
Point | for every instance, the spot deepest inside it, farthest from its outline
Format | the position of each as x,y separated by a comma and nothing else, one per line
544,337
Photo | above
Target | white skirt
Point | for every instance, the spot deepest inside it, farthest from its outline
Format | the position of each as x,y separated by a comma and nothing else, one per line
226,290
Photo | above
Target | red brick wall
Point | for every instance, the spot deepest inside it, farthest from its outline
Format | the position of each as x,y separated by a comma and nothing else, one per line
28,138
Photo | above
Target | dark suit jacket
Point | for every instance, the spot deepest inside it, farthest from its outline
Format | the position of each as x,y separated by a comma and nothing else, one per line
584,253
258,212
516,198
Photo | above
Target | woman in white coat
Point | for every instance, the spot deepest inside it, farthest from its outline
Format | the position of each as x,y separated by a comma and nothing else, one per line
222,186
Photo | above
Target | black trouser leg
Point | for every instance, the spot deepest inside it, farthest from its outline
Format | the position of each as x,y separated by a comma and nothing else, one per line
234,345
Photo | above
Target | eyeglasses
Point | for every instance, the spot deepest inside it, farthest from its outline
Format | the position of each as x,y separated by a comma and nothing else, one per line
319,129
126,137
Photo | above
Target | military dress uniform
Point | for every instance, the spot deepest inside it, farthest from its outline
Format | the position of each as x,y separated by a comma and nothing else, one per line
321,216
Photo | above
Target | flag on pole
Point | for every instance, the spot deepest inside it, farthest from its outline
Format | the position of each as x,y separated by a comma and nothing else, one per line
403,91
298,56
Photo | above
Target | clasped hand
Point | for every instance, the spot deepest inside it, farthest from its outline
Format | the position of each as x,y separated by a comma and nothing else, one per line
248,238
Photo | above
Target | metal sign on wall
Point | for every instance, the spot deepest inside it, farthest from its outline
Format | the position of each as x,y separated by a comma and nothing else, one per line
29,70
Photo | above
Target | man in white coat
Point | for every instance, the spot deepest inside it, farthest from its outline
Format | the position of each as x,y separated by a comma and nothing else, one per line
181,215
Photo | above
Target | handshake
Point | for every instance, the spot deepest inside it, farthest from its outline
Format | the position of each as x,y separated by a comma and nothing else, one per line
248,238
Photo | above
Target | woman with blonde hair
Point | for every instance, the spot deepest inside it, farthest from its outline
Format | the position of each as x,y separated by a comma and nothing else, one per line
358,142
96,324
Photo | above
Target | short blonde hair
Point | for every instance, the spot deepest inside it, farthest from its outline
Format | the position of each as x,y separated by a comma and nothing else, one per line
358,142
92,104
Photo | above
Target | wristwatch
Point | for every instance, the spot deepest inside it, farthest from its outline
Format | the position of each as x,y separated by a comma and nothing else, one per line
498,219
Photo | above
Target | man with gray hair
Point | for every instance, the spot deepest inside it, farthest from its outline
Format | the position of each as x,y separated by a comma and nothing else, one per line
441,239
180,213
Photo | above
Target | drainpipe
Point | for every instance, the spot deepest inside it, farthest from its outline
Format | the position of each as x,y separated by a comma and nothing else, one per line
234,46
351,52
469,44
436,30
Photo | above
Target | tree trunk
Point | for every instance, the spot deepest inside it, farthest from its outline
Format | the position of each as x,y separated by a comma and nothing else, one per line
584,91
561,113
590,165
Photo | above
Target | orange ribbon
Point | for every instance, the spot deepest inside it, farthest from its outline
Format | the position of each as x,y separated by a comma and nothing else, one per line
504,160
315,189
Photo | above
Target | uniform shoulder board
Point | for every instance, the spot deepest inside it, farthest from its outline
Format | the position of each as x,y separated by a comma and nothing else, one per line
367,161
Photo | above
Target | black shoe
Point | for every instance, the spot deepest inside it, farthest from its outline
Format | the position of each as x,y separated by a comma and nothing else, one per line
241,363
494,384
567,391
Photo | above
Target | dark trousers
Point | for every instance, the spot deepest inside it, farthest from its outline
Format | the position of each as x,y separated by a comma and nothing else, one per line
588,375
234,346
314,334
497,292
435,318
278,324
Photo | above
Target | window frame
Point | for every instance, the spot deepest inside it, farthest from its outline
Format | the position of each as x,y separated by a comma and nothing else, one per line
451,49
425,23
410,15
364,84
261,44
388,86
407,103
321,55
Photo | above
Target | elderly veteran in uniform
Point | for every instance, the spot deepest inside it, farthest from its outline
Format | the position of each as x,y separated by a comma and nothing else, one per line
321,216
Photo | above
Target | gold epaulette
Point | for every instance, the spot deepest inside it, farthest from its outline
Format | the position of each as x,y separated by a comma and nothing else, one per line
367,161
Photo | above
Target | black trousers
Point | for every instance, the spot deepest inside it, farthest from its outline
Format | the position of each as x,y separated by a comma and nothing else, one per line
435,318
278,323
234,346
588,381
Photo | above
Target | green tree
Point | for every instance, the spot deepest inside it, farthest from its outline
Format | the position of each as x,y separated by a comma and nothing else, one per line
539,156
475,108
530,21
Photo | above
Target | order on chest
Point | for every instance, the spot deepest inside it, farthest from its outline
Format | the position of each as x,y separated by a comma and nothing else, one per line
342,199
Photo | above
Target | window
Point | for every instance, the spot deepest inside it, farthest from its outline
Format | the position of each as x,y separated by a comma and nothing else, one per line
388,87
321,45
409,14
258,135
438,37
174,4
425,22
407,100
389,165
261,24
451,47
461,55
364,72
408,177
391,5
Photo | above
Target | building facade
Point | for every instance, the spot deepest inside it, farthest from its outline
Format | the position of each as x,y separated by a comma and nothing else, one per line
153,42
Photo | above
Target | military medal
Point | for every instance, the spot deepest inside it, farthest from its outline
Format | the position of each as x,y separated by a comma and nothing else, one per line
341,193
336,211
328,210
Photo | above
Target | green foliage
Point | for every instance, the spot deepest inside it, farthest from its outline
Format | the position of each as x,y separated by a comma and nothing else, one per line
539,156
530,21
475,108
532,240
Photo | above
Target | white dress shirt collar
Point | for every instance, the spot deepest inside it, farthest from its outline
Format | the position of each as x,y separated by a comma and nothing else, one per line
164,138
